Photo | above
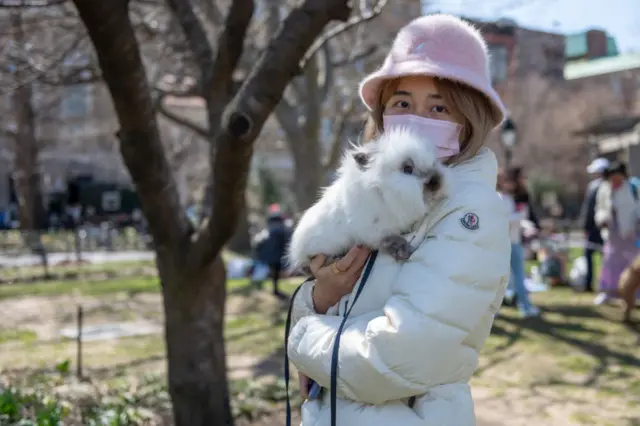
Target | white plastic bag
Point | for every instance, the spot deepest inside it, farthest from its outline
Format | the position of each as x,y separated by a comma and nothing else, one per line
578,273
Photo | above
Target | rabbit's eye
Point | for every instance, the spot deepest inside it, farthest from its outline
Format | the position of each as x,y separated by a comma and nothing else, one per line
407,168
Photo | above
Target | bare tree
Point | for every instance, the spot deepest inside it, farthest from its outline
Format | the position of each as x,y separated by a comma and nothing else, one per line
320,95
317,96
547,112
26,174
35,73
189,262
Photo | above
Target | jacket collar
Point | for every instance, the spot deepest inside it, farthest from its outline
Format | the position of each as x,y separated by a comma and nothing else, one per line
482,167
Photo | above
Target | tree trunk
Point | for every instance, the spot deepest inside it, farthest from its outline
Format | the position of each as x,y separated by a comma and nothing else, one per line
26,174
189,261
194,312
308,173
240,242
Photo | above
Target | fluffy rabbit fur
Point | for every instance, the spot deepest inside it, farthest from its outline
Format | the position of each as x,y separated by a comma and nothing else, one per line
383,188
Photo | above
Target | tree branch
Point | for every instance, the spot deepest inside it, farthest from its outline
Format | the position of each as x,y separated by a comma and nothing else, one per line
351,59
313,95
339,29
113,36
247,113
195,33
328,70
210,8
338,129
78,76
8,133
230,47
17,4
179,120
287,117
38,72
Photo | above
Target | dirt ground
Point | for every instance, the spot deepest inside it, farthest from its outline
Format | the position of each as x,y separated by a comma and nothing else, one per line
576,366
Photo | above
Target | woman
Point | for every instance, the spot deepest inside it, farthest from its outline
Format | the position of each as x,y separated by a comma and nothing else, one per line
521,194
616,213
412,339
507,188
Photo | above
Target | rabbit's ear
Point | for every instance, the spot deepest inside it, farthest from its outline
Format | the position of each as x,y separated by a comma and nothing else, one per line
362,159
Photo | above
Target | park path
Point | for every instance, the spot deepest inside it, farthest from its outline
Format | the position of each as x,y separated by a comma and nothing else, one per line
94,257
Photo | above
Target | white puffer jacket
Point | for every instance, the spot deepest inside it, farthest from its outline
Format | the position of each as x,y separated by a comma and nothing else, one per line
417,327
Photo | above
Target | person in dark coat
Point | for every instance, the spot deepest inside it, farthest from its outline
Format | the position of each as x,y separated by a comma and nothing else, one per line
587,218
270,246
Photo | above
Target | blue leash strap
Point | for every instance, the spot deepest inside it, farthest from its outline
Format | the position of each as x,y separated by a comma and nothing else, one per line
287,330
336,343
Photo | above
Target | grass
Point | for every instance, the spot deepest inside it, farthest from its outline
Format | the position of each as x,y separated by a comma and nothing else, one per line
62,240
576,365
129,285
577,359
256,335
17,334
36,272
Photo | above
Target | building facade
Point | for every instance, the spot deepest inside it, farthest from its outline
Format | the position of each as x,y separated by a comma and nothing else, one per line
73,123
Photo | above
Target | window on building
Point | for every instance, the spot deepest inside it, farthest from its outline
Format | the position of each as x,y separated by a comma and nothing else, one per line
616,85
554,57
75,102
499,62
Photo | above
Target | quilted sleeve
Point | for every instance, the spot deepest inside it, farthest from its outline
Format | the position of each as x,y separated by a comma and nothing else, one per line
303,303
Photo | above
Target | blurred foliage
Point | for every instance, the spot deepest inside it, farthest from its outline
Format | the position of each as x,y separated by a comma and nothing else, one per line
59,399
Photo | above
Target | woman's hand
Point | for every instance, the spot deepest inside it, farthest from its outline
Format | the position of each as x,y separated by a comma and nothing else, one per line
303,381
336,280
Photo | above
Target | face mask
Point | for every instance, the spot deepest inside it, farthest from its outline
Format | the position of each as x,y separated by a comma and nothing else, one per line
442,134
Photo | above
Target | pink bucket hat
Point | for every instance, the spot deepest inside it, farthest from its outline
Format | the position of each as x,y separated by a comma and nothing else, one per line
439,46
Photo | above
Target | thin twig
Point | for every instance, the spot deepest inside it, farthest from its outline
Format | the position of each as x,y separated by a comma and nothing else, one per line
40,71
17,4
179,120
339,29
338,131
352,58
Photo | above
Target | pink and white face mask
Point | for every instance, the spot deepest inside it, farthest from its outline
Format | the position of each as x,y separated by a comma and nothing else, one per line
442,134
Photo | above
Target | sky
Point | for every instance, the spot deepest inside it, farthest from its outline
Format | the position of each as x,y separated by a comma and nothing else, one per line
619,18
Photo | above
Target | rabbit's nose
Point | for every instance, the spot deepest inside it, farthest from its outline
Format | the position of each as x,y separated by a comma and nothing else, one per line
433,182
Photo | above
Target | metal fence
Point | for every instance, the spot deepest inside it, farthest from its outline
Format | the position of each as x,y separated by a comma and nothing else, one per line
35,255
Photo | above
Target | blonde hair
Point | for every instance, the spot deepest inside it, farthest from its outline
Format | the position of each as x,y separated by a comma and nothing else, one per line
469,106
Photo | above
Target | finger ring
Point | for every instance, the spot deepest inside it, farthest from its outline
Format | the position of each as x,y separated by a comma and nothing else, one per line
335,269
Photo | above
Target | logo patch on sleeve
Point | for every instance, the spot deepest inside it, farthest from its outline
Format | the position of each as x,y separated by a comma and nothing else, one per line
470,221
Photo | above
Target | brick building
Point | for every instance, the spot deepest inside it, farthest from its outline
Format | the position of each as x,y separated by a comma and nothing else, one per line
589,45
525,65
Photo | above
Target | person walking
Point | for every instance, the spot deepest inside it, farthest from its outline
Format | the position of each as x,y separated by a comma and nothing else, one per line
591,230
507,188
616,213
